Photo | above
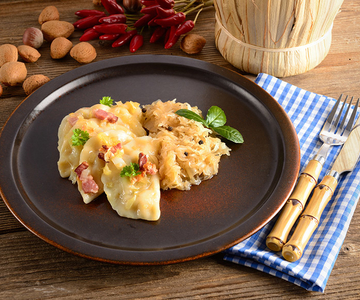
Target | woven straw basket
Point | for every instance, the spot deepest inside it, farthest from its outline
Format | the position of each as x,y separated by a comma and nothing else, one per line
278,37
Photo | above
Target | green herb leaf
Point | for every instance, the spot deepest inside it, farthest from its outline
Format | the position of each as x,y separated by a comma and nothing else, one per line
215,117
79,137
229,133
191,115
131,170
106,100
215,120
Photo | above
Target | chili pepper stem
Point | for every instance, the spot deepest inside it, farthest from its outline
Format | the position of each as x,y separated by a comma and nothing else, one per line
187,6
194,9
197,15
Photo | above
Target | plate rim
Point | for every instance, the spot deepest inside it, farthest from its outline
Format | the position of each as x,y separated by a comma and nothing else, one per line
71,75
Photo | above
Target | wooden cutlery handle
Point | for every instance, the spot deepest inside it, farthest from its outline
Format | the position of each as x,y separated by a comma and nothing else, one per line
309,219
294,206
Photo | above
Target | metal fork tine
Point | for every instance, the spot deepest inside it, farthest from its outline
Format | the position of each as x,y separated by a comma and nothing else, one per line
352,119
336,123
342,125
331,116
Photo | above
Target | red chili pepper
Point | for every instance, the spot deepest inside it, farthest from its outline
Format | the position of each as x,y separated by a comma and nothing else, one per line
148,2
109,37
169,32
173,38
150,9
185,27
152,22
87,22
144,20
136,42
111,28
164,13
112,7
88,12
89,34
157,34
117,18
166,3
173,20
124,38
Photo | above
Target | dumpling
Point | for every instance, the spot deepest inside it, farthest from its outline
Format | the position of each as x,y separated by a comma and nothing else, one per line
94,119
137,198
92,160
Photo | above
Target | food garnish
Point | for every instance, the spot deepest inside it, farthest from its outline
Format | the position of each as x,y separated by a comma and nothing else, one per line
130,171
215,120
106,100
79,137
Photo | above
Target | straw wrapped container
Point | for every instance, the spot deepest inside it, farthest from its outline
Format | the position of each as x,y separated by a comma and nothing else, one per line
277,37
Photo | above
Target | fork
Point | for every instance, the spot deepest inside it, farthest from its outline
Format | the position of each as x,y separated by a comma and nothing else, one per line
333,133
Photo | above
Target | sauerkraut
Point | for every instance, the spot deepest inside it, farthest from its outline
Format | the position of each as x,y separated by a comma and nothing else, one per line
188,152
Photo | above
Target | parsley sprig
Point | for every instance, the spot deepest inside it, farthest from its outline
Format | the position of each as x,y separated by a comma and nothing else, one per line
79,137
107,100
215,120
130,171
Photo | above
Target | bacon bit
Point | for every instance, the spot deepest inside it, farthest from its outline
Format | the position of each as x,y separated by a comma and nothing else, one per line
80,168
89,185
101,155
115,148
145,166
137,178
104,115
72,119
142,160
150,168
104,149
87,181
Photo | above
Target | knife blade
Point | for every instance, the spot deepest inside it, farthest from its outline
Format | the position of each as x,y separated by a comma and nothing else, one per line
309,219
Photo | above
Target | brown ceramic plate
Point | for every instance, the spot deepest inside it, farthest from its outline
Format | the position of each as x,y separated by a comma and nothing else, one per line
251,187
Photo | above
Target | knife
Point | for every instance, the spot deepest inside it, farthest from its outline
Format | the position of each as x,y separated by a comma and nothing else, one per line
309,219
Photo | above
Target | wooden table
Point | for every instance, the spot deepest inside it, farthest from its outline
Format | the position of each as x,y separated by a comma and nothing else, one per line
32,269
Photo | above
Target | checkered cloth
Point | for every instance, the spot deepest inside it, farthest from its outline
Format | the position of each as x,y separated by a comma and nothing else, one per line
308,112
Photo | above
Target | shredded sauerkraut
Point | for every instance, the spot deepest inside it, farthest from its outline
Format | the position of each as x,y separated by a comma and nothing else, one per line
188,152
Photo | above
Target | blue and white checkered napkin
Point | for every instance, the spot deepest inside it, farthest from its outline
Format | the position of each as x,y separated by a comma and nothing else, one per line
308,112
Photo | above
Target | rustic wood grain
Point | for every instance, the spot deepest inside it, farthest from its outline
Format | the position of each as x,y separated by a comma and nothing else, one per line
32,269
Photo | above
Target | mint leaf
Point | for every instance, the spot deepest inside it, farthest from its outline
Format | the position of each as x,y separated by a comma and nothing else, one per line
215,117
229,133
191,115
79,137
106,100
130,171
